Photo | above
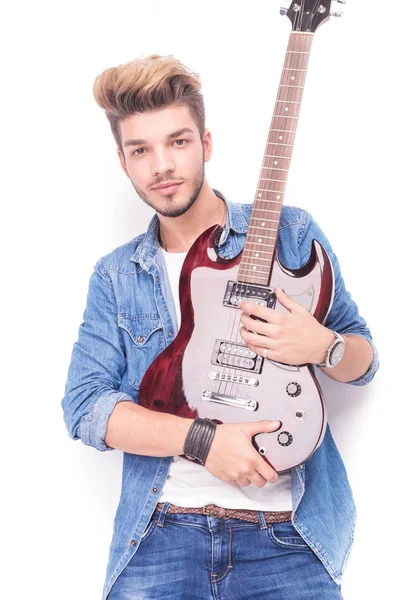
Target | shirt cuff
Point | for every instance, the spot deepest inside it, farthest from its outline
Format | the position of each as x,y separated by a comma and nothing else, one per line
369,375
93,427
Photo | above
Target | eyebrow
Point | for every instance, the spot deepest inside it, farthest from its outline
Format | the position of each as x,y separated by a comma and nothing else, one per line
174,134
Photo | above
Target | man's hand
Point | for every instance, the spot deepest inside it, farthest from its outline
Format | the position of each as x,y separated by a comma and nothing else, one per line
293,338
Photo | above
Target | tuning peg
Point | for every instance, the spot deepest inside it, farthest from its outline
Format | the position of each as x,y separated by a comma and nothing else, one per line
283,11
337,14
341,1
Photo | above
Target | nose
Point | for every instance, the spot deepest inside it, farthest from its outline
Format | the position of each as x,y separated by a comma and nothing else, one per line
162,163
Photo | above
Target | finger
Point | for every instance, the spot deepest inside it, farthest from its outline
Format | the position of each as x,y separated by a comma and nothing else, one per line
268,472
243,481
258,480
263,312
288,302
254,338
259,327
272,354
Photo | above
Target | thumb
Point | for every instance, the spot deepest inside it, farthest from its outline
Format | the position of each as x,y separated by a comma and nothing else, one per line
287,302
263,427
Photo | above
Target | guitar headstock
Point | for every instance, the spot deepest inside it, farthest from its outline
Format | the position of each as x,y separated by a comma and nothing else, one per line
308,15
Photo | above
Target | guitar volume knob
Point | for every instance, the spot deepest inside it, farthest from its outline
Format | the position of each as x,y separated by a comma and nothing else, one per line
285,438
293,389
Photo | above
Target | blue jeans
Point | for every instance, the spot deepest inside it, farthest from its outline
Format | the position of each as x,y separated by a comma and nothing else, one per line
198,557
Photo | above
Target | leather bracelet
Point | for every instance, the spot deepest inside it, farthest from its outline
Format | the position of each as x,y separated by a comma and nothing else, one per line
199,439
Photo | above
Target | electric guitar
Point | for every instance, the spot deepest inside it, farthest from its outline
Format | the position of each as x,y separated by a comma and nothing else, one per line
207,371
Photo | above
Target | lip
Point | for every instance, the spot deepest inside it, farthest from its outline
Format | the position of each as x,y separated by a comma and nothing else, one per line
167,190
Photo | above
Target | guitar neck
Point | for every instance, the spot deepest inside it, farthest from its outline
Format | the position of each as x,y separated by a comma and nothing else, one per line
261,239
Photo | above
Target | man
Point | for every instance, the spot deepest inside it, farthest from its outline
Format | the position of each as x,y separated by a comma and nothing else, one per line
260,535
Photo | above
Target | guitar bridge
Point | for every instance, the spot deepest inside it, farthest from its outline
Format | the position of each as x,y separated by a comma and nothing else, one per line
227,400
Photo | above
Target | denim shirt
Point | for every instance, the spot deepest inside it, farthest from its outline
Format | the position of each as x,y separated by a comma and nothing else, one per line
130,318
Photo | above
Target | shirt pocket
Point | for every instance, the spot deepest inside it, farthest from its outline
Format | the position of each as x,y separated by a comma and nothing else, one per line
144,340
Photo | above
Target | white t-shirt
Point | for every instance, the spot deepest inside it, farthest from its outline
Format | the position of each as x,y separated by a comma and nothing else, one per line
190,484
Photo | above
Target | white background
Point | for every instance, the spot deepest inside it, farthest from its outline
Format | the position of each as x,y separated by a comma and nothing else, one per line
66,201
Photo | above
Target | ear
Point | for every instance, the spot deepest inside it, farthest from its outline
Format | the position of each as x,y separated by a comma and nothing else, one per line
207,143
122,161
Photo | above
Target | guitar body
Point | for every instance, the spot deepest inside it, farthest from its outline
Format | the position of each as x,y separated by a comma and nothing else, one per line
207,371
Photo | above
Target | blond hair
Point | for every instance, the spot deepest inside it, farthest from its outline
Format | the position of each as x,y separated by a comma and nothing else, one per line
147,84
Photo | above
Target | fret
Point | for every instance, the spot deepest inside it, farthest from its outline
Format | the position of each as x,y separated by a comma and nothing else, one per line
258,235
275,156
274,191
287,102
243,262
262,228
256,258
272,169
285,117
278,212
266,200
296,52
258,251
290,69
268,210
292,86
282,130
278,144
268,179
261,271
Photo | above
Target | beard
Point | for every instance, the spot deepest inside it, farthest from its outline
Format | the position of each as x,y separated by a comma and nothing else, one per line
175,208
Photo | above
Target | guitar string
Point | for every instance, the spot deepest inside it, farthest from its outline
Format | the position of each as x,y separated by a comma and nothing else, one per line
236,324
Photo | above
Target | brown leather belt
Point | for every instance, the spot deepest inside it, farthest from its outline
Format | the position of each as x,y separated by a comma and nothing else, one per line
230,513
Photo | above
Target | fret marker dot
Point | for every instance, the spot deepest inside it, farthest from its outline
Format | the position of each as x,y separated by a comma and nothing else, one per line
259,195
254,268
277,197
286,108
257,255
281,137
275,162
263,224
292,77
260,239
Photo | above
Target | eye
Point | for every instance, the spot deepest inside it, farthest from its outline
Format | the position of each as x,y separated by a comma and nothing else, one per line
176,141
137,151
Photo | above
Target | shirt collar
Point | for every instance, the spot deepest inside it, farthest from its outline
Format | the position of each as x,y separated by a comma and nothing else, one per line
236,220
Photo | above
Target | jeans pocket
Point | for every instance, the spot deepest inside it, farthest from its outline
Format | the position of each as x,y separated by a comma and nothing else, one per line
285,535
148,531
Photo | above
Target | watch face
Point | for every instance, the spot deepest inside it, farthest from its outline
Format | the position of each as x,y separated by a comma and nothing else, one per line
337,354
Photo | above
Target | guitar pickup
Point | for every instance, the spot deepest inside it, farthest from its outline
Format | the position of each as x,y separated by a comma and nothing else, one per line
237,291
236,356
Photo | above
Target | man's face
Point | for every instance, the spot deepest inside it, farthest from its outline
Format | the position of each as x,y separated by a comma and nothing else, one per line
165,146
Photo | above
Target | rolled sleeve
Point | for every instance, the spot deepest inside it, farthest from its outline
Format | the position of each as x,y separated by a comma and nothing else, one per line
97,365
93,427
344,316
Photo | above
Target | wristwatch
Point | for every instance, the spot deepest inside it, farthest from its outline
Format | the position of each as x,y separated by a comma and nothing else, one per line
335,352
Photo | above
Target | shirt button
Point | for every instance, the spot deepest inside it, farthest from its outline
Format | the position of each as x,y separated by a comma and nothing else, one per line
155,490
301,467
140,338
170,334
133,542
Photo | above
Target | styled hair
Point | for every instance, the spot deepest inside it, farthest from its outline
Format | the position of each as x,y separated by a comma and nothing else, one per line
148,84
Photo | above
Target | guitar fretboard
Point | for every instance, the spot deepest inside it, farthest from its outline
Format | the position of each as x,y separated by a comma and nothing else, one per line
258,252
